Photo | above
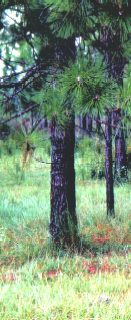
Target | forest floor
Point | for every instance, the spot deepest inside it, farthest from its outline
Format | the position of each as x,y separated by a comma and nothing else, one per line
38,282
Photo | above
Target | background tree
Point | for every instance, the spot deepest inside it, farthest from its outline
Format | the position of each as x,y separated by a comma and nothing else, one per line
113,36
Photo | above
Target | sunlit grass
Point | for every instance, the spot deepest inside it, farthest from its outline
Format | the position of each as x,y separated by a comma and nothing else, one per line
71,294
39,282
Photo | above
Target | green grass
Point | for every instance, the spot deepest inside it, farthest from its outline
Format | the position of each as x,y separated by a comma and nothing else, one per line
39,282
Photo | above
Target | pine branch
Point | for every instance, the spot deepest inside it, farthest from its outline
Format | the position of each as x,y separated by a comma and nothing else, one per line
19,114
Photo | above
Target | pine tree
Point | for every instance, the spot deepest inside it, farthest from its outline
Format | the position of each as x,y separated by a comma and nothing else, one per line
53,54
113,36
49,28
113,21
63,222
86,15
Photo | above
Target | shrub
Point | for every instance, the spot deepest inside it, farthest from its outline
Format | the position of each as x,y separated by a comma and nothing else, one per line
90,159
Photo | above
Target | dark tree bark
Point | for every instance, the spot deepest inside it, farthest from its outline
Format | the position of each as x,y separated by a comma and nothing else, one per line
98,124
84,122
63,221
45,122
120,149
89,124
108,166
110,45
121,171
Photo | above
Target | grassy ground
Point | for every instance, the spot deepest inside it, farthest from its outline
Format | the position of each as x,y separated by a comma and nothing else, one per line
38,282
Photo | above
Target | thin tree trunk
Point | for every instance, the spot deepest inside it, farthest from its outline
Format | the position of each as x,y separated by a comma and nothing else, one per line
110,45
89,124
121,171
121,157
108,166
45,122
98,124
116,62
84,122
63,221
120,150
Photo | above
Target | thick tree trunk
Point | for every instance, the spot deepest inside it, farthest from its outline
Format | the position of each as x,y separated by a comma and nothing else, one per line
63,222
108,166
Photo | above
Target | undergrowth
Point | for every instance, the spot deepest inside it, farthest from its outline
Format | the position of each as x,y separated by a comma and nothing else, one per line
39,282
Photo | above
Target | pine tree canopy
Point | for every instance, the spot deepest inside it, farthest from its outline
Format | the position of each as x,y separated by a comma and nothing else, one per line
45,40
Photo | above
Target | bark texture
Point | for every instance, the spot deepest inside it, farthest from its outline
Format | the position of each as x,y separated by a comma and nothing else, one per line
108,166
109,44
89,124
120,150
63,221
115,60
84,122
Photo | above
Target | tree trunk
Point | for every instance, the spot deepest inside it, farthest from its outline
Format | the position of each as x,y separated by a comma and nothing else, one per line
108,166
84,122
45,122
120,150
98,124
89,124
63,221
116,63
110,45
